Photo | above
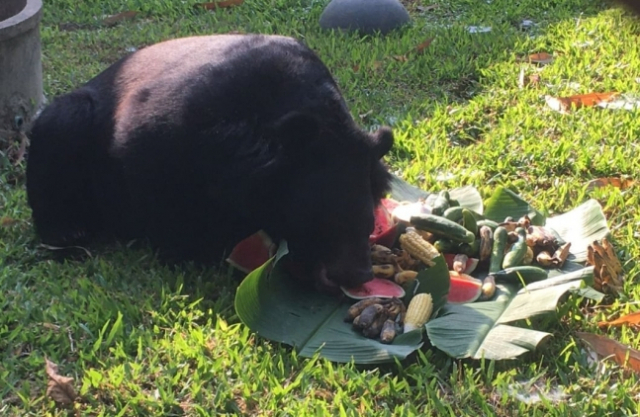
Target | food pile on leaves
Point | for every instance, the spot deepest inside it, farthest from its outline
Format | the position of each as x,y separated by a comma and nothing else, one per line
514,251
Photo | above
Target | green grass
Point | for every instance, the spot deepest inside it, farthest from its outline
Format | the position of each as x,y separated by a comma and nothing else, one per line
140,339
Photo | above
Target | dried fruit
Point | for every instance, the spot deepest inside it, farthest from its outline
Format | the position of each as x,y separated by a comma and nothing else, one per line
562,254
541,238
374,330
528,257
418,312
460,262
384,271
381,255
544,258
356,309
417,247
403,277
471,265
372,319
608,274
486,242
488,288
388,332
369,315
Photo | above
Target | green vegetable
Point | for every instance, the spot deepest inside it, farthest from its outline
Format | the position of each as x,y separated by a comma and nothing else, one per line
489,223
518,250
527,272
444,245
469,221
453,213
497,254
442,227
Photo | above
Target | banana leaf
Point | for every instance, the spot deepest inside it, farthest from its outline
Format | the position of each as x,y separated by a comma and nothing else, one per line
467,196
278,308
479,330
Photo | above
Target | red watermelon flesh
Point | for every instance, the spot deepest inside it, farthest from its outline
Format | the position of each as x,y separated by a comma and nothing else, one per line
252,252
384,232
377,287
463,288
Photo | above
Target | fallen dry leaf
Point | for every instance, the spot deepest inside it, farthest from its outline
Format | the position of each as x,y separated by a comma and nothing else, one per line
424,45
617,182
542,58
116,18
401,58
219,4
365,115
607,269
606,347
7,221
566,104
632,319
59,388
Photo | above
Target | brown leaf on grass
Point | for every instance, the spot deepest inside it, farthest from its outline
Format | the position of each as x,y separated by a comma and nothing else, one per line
542,58
606,347
116,18
607,269
401,58
219,4
7,221
424,45
566,104
632,320
59,388
356,68
617,182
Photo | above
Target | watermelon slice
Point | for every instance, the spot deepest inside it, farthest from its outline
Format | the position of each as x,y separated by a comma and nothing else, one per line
258,248
252,252
377,287
472,263
384,232
463,288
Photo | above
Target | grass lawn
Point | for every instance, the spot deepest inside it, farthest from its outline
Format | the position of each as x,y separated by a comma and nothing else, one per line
140,339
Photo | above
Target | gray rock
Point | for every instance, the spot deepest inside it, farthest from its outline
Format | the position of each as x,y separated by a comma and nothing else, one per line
366,16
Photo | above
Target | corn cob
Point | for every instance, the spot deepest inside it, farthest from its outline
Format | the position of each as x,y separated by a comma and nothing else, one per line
418,312
419,248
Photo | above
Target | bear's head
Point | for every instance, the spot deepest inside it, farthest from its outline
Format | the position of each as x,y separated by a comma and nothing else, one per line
332,180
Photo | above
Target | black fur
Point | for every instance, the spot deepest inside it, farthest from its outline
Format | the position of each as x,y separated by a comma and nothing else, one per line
198,142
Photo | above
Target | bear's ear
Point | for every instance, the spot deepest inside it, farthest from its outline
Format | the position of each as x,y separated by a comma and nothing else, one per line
295,131
382,141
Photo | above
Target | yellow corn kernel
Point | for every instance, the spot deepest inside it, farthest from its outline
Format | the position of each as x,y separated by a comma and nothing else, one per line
419,248
418,312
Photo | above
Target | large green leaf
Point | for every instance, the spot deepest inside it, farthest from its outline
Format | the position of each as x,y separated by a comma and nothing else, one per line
278,308
467,196
505,202
580,226
479,329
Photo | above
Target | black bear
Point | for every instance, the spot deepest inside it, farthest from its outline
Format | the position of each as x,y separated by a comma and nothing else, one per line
196,143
